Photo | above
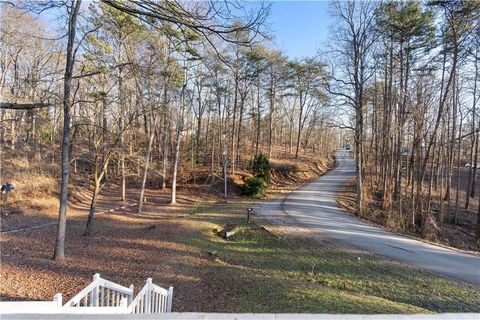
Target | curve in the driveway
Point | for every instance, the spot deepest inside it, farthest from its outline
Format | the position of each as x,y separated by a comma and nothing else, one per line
314,206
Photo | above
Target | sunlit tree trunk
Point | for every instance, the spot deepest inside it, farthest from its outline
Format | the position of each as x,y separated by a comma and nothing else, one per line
59,253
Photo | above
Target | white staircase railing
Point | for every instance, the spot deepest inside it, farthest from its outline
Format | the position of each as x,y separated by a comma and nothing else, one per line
102,293
99,297
152,299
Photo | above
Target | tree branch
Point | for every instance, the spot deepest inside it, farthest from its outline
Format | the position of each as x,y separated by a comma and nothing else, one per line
23,106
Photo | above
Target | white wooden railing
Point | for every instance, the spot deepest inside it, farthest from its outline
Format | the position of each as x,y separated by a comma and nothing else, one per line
152,299
9,307
99,297
102,293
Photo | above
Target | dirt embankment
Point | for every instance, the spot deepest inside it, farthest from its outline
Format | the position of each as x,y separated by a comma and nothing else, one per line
35,199
164,242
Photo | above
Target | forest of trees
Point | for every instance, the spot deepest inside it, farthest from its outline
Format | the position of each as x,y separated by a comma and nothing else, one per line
409,72
131,92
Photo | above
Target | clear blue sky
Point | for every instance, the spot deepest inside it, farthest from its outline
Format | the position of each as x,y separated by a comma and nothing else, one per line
300,27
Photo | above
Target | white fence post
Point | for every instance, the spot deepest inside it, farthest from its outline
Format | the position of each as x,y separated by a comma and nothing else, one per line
148,295
123,303
169,299
94,301
130,297
58,299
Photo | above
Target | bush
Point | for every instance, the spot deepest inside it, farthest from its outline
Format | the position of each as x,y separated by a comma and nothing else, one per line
255,187
261,166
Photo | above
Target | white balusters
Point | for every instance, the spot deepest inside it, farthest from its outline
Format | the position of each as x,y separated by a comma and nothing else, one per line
104,293
152,299
101,293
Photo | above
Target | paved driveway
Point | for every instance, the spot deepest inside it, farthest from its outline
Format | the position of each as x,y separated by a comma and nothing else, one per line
314,206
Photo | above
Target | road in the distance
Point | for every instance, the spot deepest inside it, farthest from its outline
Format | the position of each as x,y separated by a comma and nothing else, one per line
314,206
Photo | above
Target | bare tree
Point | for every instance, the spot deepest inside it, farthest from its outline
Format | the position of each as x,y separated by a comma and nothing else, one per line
352,44
74,9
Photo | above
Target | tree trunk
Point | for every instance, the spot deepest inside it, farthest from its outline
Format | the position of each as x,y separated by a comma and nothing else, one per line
235,101
358,158
472,171
240,120
165,137
59,253
93,205
299,132
478,222
175,163
147,162
199,129
258,118
270,118
176,159
122,160
457,193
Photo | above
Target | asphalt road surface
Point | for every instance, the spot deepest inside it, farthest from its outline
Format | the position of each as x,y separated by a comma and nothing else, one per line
314,207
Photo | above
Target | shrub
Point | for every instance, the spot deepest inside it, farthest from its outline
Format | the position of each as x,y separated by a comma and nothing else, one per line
261,166
255,187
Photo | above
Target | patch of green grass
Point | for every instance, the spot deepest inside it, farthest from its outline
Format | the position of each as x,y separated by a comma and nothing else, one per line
262,273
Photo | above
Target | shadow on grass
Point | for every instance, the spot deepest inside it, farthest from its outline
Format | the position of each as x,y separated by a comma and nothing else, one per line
254,272
309,268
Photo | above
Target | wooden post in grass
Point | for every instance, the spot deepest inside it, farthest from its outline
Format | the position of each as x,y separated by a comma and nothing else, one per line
249,211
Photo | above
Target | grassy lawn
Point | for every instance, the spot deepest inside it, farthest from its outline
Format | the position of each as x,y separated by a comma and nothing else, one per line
259,272
255,271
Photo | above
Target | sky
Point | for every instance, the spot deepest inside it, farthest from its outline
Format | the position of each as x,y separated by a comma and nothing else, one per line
300,27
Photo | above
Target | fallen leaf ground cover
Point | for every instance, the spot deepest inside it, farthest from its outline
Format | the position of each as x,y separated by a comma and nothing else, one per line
254,271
